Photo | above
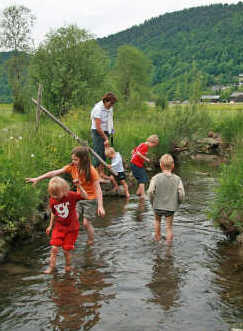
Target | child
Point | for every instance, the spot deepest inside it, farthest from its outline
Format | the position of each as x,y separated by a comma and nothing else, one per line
81,169
137,162
64,219
117,165
166,192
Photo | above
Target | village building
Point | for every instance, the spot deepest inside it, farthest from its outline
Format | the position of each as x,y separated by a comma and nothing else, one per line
210,98
236,97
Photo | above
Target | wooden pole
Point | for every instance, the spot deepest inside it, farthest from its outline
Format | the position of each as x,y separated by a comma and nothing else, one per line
38,110
65,128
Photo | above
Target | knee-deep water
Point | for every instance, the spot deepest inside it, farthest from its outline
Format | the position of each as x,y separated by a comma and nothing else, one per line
126,281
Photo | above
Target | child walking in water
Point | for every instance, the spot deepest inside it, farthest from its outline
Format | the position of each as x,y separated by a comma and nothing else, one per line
81,169
64,222
137,162
165,192
117,165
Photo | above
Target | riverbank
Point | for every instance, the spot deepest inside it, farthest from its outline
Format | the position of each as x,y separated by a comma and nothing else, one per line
26,152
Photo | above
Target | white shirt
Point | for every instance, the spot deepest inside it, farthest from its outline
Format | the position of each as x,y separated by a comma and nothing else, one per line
105,115
116,163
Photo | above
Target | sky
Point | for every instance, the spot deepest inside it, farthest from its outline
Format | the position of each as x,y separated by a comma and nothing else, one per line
99,17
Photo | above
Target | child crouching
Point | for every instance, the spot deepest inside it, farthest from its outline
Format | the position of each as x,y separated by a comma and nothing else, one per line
165,192
117,165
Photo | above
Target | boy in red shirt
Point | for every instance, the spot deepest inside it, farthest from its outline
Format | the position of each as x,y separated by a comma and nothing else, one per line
137,162
64,221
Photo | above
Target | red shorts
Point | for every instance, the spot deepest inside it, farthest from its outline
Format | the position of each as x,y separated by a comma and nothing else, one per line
63,237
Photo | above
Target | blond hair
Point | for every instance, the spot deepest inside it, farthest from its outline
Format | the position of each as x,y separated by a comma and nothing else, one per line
153,139
167,161
58,184
109,151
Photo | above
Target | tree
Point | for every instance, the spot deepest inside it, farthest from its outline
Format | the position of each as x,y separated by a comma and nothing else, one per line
15,24
71,67
132,72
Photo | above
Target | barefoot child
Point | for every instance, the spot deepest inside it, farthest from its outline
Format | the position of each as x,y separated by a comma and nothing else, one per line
117,165
81,169
166,192
137,162
64,222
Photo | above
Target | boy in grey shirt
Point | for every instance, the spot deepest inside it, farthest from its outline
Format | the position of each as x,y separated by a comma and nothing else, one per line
165,192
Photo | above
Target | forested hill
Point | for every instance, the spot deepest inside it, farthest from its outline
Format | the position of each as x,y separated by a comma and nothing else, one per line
210,36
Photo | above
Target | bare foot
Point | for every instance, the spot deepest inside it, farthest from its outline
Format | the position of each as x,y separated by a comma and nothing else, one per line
90,242
49,270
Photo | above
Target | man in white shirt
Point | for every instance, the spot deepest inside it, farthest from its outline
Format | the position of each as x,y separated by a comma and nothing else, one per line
102,127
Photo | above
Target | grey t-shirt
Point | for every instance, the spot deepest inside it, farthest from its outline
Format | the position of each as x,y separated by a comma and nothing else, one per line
166,191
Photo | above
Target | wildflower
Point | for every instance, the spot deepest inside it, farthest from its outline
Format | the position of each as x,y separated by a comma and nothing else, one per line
20,137
32,155
11,137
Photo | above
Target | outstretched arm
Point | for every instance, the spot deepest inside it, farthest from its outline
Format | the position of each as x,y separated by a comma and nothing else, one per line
49,174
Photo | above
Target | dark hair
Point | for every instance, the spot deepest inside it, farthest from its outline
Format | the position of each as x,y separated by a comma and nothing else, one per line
82,152
109,97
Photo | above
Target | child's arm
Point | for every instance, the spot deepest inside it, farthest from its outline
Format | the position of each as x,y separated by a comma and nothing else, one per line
49,174
143,156
52,220
83,193
181,192
100,210
151,190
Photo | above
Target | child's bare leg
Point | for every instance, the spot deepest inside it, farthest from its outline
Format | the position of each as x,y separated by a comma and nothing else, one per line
125,188
112,179
102,172
141,190
67,255
53,258
88,226
169,231
157,227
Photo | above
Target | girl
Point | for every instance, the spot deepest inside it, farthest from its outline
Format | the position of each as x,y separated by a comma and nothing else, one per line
64,219
81,169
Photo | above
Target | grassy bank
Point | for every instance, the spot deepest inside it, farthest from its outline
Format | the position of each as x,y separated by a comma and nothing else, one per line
27,153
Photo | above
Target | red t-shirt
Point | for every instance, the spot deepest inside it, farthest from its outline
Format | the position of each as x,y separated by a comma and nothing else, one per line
136,159
65,210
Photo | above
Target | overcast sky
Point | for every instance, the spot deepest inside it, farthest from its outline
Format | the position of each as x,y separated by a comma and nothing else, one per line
99,17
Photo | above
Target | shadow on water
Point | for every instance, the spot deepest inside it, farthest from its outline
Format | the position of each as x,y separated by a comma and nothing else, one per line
126,281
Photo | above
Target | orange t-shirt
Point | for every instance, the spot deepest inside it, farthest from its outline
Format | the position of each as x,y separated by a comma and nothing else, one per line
89,186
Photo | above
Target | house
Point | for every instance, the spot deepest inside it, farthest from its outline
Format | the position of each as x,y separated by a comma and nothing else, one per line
236,97
210,98
240,79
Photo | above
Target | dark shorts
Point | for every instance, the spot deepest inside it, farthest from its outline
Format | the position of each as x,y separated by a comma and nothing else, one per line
161,212
120,176
98,146
139,173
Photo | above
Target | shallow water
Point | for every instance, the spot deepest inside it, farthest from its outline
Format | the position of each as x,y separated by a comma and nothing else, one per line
126,281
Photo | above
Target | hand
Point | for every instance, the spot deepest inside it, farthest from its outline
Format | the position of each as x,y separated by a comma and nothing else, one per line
76,181
34,181
109,166
106,143
101,211
48,230
148,160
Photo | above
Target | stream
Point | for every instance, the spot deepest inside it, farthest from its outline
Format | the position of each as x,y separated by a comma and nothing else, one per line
128,282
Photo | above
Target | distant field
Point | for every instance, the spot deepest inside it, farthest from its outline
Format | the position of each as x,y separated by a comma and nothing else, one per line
8,118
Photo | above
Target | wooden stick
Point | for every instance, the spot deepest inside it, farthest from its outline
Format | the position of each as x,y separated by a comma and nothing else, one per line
38,110
65,128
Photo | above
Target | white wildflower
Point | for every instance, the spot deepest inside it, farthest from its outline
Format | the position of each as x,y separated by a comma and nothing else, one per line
32,155
20,137
11,138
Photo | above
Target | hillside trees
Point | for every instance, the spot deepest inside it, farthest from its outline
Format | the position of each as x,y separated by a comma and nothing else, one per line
132,73
16,23
71,67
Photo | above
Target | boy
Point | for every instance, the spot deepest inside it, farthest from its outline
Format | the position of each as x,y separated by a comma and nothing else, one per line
137,162
117,165
165,192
